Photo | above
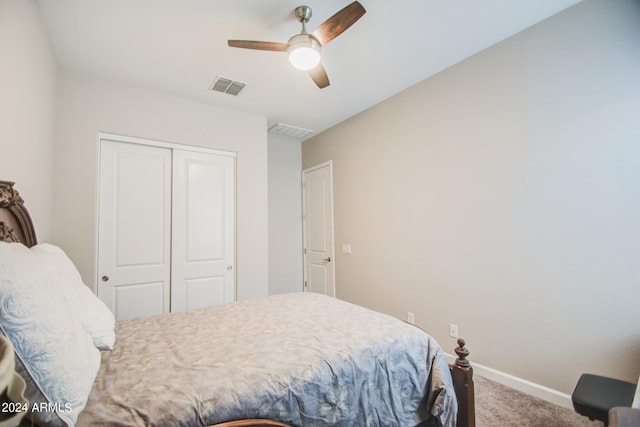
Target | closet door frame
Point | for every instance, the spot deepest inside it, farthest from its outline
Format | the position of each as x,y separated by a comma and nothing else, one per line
173,146
162,144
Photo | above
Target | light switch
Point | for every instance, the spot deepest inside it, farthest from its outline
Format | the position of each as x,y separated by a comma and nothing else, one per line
346,248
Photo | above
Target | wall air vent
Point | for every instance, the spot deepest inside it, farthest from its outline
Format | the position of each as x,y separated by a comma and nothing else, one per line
290,131
226,85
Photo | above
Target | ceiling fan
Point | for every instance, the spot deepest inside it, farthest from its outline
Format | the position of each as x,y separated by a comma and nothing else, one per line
304,48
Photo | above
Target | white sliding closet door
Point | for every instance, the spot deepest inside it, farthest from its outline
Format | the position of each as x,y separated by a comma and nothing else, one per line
134,232
203,230
166,237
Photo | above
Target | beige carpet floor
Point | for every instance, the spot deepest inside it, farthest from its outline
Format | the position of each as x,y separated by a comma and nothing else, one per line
501,406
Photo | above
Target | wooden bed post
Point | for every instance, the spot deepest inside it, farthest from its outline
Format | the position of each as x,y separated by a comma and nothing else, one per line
462,374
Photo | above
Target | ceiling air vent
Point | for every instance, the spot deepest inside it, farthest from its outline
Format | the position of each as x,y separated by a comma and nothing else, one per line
290,131
226,85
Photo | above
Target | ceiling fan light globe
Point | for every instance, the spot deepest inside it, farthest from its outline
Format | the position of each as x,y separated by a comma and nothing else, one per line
304,52
304,58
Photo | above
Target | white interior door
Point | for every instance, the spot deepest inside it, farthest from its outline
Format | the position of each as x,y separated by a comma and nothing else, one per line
203,241
134,229
319,270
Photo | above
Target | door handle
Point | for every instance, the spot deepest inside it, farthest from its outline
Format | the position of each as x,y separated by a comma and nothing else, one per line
327,259
105,278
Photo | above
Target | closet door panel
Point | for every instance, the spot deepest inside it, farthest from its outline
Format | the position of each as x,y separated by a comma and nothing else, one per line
205,198
134,231
204,292
203,252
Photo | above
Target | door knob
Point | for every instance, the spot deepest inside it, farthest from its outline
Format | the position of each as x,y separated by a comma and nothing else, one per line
105,278
229,268
327,259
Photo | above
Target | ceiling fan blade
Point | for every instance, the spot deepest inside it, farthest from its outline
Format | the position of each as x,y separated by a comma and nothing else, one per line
319,76
338,23
252,44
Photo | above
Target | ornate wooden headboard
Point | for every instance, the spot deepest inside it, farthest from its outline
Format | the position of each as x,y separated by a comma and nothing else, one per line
15,221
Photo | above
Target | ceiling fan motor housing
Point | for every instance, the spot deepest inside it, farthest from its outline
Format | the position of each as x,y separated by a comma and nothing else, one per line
303,14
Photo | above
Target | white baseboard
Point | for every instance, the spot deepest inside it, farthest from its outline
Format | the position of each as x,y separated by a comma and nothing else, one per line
525,386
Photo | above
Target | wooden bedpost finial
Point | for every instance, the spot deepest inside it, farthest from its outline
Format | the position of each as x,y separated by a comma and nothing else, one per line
462,353
462,375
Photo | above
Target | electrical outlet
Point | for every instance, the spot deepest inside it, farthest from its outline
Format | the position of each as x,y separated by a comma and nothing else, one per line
453,330
411,318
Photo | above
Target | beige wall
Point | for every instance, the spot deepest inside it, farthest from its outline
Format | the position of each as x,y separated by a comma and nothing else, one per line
88,106
28,84
285,213
503,195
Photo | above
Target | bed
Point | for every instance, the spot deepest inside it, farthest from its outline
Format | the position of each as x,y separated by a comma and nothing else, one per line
297,359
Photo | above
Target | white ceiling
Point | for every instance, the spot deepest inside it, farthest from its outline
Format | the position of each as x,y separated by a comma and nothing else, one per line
180,46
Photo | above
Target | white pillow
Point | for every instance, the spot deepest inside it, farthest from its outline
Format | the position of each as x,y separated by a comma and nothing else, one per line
95,316
49,340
